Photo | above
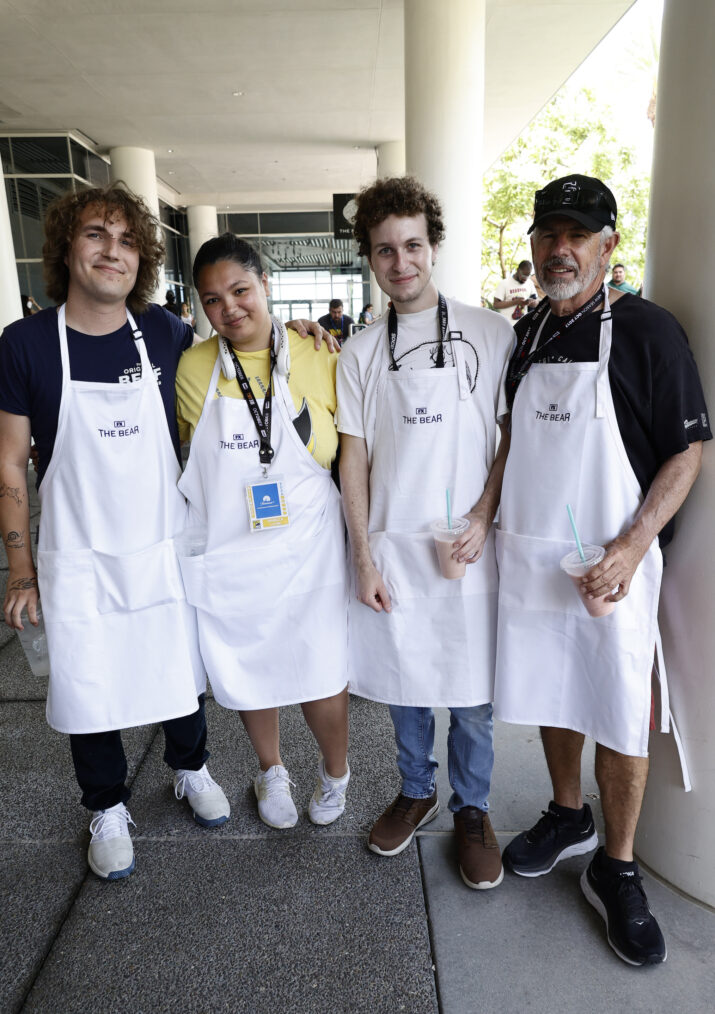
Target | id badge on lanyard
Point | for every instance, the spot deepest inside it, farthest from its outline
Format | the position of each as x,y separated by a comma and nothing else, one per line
267,507
265,495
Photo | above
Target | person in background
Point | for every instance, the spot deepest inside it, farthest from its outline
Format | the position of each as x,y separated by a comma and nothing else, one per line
618,280
187,316
336,322
515,296
271,588
366,314
170,303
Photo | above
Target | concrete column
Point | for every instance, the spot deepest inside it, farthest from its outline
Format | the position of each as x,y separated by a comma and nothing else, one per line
390,159
444,120
203,225
136,168
390,162
10,303
677,829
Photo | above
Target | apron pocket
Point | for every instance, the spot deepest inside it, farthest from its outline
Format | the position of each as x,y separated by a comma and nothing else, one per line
407,563
530,577
67,585
193,573
138,580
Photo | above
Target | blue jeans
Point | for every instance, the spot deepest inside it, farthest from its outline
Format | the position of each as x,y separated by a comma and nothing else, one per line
470,753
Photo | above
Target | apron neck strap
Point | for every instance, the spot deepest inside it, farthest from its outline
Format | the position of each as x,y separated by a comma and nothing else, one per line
604,353
146,367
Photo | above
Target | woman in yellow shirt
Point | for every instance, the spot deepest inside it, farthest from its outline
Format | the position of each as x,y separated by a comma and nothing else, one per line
258,404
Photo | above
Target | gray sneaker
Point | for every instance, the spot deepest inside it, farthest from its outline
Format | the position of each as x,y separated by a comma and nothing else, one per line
205,797
111,853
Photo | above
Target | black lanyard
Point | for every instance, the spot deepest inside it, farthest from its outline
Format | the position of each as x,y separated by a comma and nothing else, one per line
392,333
262,420
521,362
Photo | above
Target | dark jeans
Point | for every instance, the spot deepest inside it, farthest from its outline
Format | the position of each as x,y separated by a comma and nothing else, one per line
101,765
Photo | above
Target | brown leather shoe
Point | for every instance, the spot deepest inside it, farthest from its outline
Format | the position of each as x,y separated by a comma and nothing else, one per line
477,849
395,829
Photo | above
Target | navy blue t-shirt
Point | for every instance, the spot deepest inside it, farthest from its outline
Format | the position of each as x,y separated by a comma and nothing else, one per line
31,367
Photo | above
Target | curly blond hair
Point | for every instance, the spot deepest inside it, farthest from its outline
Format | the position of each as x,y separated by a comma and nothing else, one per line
403,196
61,221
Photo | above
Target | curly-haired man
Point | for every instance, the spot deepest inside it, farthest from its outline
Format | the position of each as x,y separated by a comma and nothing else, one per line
92,381
419,397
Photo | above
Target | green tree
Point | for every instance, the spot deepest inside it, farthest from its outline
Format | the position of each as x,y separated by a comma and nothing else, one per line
571,134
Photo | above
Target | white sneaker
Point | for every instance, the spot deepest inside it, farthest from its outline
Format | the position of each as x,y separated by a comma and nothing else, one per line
204,796
275,804
111,853
328,800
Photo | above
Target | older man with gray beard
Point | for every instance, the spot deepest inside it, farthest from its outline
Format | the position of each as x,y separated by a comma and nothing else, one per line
607,416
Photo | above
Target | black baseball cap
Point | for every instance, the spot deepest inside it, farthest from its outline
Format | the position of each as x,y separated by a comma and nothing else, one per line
583,198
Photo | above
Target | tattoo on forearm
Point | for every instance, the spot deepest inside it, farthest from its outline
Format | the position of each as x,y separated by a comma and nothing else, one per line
15,540
12,491
23,583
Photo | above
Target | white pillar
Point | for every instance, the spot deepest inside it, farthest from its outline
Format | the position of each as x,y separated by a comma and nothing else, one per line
10,303
677,829
390,159
203,225
136,168
444,118
390,162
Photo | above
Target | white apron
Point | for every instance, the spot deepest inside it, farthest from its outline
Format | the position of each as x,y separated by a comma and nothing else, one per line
556,665
271,604
436,648
121,637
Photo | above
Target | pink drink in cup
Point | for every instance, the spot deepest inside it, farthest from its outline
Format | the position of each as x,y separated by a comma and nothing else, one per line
444,539
575,567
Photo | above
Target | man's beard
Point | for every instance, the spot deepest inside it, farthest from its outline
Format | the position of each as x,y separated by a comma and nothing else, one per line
561,290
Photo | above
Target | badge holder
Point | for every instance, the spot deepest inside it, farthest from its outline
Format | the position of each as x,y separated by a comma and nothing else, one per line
267,507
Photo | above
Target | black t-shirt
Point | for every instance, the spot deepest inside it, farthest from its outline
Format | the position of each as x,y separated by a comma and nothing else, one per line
658,399
339,329
31,367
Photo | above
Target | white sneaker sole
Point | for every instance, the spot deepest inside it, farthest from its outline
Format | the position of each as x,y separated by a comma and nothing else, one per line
113,874
320,821
430,815
483,885
580,848
593,899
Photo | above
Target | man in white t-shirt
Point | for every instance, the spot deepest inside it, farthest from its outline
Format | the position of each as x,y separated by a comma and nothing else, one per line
419,393
515,296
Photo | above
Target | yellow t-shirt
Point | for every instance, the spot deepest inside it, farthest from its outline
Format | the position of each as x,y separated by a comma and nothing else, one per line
311,384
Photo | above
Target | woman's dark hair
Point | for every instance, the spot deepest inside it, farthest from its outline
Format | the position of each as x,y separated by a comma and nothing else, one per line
226,247
61,221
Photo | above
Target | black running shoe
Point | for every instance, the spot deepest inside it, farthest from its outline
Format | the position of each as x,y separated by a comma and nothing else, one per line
632,929
535,852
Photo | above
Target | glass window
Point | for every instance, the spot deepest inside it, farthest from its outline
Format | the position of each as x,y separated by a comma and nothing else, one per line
79,160
242,225
33,199
295,221
13,205
5,154
98,170
32,283
41,155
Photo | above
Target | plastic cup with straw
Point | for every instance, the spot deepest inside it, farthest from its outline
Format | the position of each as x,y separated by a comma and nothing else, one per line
445,533
578,562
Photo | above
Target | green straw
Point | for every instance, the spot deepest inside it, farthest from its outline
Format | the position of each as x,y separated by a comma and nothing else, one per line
575,533
449,511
